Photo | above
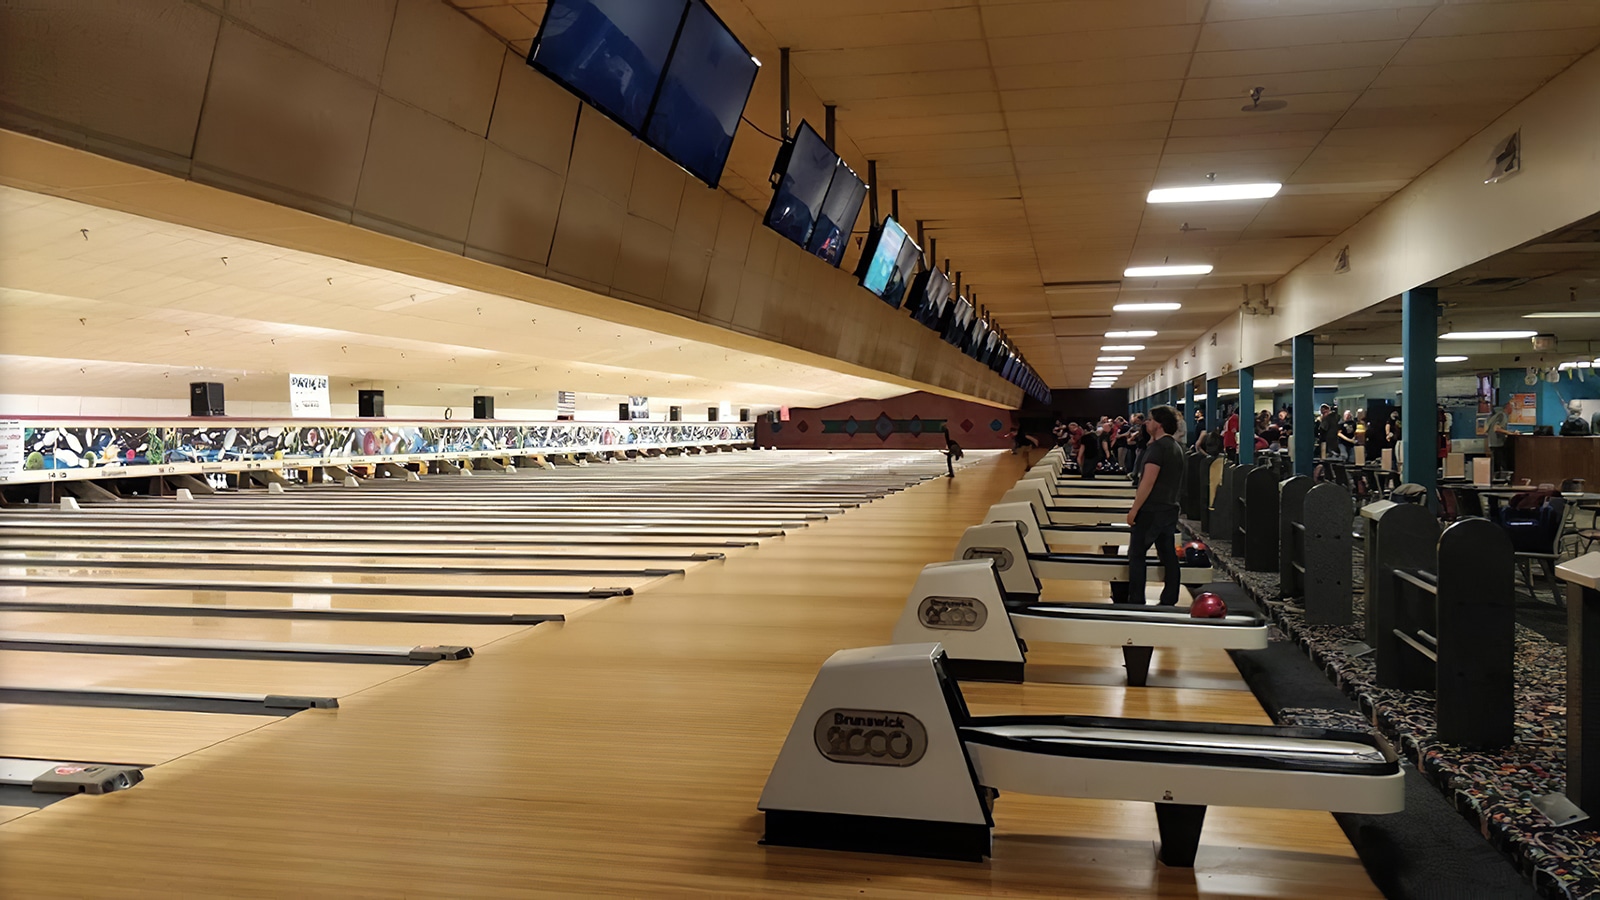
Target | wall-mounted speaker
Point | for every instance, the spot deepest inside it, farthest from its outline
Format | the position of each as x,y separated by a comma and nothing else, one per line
205,398
483,407
674,414
370,404
744,415
623,413
711,414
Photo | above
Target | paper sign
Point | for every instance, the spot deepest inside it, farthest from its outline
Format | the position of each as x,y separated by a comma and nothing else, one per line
308,397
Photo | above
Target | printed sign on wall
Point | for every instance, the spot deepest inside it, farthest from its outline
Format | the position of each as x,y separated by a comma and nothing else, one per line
1524,409
566,405
638,407
308,397
11,447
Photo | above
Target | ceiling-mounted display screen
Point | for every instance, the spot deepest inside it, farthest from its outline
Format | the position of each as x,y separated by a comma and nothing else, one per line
880,260
959,322
807,169
667,70
926,297
609,52
703,92
905,268
839,211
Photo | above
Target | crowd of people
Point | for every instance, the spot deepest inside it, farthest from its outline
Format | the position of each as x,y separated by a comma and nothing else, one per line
1109,443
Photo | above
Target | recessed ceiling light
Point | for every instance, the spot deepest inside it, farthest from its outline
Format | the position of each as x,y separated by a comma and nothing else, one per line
1342,375
1371,367
1147,307
1209,192
1113,348
1115,358
1437,359
1130,334
1486,335
1270,382
1563,315
1163,271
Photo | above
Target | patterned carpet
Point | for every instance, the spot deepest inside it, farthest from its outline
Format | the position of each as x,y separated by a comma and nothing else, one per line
1491,789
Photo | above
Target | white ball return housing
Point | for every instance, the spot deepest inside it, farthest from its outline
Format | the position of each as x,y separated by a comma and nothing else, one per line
885,758
1022,558
962,605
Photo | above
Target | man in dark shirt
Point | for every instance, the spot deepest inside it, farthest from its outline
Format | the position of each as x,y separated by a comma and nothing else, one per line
1154,516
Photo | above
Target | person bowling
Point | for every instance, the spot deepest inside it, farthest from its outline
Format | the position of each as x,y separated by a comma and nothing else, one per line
1153,519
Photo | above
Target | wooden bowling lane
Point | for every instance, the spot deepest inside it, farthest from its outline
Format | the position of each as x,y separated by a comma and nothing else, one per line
287,631
117,527
712,669
585,555
644,544
198,560
79,671
135,737
453,583
308,605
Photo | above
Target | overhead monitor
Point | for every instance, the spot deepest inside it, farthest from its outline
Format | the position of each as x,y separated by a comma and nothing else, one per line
880,259
840,208
927,296
805,168
904,268
960,322
609,52
703,93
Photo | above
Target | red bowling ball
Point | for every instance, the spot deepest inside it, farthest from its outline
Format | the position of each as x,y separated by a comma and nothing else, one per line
1208,606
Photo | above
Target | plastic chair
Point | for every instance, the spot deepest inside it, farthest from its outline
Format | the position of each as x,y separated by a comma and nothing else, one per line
1449,509
1536,537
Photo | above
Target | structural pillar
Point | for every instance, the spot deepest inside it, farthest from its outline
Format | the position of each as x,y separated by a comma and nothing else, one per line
1247,415
1188,410
1419,383
1304,415
1213,407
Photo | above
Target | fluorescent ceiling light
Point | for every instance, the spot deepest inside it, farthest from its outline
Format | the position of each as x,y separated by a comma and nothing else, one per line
1576,365
1147,307
1437,359
1201,396
1486,335
1342,375
1210,192
1115,358
1131,334
1163,271
1227,392
1563,315
1270,382
1370,367
1112,348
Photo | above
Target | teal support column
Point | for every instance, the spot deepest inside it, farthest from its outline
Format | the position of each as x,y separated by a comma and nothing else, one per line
1247,414
1188,412
1305,415
1419,383
1213,407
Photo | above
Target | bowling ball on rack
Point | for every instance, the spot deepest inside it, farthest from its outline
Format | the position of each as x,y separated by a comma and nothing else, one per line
1195,554
1207,606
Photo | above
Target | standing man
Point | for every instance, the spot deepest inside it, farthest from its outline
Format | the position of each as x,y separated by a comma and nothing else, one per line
1154,516
1495,432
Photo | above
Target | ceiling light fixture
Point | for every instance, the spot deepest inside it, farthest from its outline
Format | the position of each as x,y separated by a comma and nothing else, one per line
1563,315
1146,307
1113,348
1204,193
1115,358
1163,271
1486,335
1342,375
1130,334
1437,359
1271,382
1370,367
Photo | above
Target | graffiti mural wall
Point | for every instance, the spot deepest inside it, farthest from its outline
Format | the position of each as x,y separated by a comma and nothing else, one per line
908,422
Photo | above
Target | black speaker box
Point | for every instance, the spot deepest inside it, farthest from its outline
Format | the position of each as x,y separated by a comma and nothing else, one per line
205,398
674,414
744,415
482,407
623,414
370,404
711,414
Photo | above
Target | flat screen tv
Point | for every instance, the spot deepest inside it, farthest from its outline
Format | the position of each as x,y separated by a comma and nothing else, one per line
926,297
609,52
839,211
703,92
960,315
904,268
880,260
805,168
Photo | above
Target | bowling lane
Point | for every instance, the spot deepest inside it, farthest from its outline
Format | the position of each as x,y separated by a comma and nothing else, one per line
623,554
200,560
446,583
289,631
310,601
495,539
135,737
80,671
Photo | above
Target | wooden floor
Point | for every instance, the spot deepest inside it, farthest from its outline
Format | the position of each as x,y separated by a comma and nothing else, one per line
622,755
